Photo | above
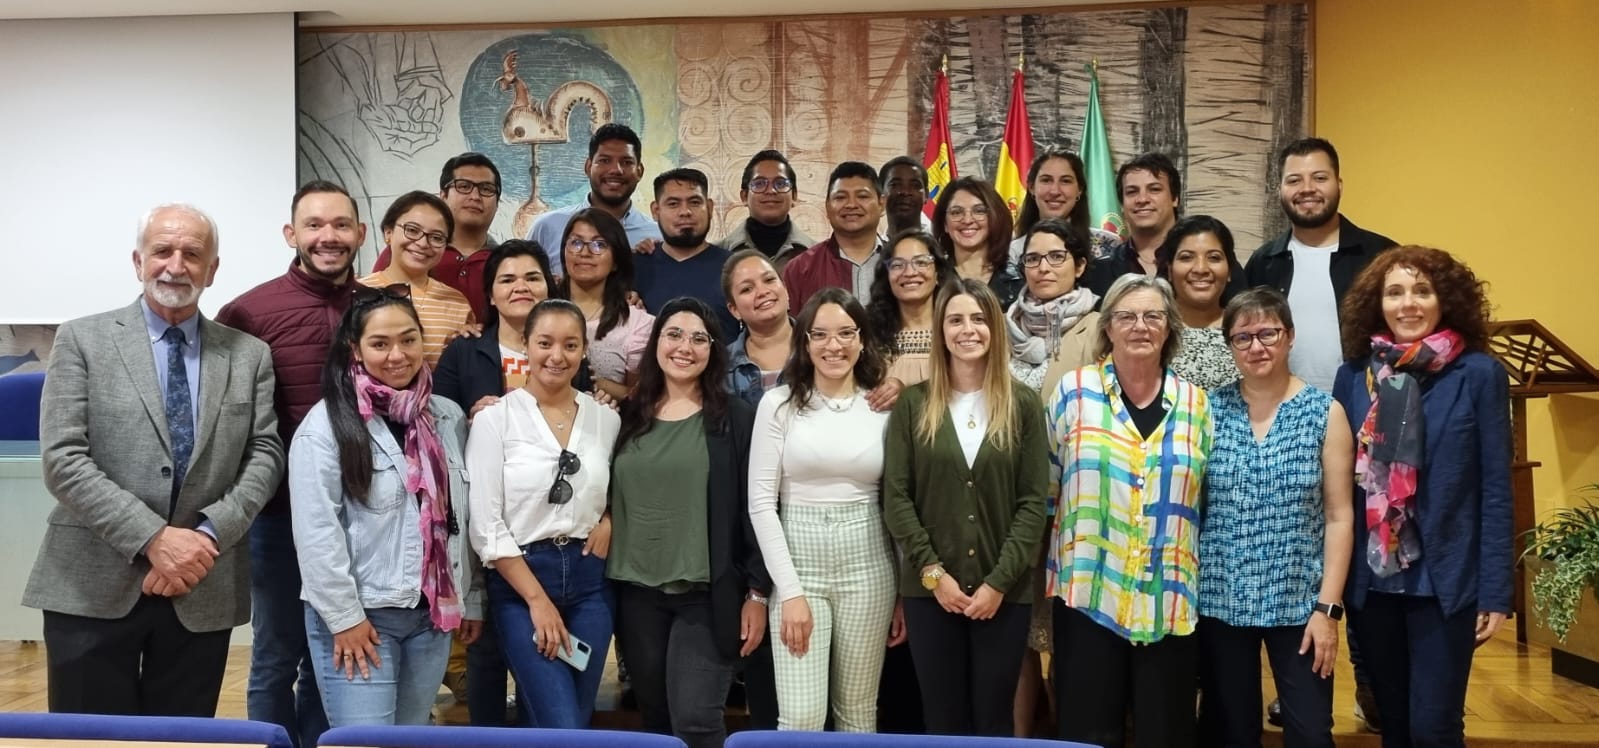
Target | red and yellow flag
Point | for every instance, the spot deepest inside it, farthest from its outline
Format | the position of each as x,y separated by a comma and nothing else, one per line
1016,150
939,158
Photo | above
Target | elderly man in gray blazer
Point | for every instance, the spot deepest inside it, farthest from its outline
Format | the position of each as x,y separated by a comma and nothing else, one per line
160,444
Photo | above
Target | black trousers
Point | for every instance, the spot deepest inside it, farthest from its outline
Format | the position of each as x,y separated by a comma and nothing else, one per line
1098,675
145,663
1419,661
679,675
967,669
899,698
760,686
1229,667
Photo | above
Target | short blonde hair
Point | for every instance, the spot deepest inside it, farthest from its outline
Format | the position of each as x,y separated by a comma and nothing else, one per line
1126,285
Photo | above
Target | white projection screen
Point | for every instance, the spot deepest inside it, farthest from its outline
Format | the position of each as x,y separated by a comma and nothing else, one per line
102,119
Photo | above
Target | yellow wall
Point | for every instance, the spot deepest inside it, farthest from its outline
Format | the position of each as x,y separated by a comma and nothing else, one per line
1473,126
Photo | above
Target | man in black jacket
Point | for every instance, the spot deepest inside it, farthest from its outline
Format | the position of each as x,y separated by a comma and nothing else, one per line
1313,264
1315,261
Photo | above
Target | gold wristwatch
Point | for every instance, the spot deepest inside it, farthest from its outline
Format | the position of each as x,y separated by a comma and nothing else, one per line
930,578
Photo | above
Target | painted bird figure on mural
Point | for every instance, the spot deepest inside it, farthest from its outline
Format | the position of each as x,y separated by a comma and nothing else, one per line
526,122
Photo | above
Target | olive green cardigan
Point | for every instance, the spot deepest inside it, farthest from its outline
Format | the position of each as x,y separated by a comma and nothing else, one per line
983,523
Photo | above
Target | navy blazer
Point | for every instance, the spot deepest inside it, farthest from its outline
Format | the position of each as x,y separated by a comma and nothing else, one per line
1463,495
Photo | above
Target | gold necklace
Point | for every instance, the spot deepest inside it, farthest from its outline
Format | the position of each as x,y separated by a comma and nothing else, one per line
562,411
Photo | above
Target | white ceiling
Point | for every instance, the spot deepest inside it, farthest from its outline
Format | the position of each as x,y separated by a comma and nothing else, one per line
409,12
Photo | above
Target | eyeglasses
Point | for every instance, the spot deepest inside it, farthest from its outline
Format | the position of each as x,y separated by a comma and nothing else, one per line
561,491
1126,319
416,233
778,185
977,213
594,247
901,264
486,189
844,336
678,335
366,295
1267,337
1055,258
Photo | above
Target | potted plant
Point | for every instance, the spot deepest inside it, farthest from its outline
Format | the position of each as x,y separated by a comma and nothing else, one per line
1562,556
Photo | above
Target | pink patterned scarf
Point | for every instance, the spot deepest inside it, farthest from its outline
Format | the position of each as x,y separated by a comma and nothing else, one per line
1392,444
426,475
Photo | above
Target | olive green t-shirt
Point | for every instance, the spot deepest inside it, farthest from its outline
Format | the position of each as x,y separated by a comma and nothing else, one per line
660,534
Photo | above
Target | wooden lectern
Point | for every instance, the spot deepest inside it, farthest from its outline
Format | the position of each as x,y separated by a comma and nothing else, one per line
1539,365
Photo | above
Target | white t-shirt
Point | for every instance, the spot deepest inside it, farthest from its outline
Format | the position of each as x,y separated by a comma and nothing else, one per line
968,411
512,457
1317,349
828,454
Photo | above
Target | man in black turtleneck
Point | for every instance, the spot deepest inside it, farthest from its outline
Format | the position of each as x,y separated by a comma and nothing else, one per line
768,190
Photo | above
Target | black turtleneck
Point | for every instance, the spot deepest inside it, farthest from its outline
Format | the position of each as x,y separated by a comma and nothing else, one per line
768,239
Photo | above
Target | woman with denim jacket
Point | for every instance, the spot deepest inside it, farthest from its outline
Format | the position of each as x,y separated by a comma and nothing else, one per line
378,487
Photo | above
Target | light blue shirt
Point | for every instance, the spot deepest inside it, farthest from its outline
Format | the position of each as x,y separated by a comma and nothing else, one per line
547,230
157,327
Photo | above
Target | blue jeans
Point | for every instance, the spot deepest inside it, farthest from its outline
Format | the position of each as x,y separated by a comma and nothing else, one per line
1419,661
282,687
558,694
401,691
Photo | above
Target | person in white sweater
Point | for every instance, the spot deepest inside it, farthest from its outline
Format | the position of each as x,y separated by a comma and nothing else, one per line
818,452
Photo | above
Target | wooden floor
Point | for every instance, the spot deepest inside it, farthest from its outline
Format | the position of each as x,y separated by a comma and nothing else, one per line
1514,698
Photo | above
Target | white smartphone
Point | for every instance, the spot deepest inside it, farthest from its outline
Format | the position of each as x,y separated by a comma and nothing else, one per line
578,658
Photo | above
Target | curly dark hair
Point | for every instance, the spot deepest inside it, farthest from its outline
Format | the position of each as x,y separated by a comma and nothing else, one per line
638,410
882,311
800,371
1462,299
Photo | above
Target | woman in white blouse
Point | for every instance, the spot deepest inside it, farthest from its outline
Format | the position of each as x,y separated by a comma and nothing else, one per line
818,452
540,465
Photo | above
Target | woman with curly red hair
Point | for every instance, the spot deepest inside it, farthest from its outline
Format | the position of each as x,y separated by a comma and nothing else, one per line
1431,579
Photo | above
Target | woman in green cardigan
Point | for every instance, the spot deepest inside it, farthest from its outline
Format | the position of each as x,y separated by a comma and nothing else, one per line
966,468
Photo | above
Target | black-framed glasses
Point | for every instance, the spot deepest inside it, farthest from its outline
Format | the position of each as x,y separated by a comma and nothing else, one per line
595,247
1055,258
466,186
901,264
416,233
1242,340
365,295
561,490
778,185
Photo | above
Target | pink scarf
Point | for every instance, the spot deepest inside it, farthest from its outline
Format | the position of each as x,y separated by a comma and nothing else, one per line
1392,444
426,475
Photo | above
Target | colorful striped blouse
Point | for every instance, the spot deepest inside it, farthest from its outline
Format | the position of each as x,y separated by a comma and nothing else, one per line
1124,535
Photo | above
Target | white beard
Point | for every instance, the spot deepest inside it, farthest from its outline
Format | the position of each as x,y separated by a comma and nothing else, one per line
172,298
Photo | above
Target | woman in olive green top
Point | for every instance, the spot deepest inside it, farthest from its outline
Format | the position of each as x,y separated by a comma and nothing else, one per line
691,586
966,467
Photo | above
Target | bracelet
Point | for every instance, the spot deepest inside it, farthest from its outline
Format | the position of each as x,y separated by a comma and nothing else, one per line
756,597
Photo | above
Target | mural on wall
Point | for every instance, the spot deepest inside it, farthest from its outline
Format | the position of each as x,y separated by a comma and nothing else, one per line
1219,88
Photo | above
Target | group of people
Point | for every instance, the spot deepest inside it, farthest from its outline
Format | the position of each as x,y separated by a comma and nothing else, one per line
875,478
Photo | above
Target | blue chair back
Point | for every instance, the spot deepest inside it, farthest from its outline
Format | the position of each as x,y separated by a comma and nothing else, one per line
383,736
41,726
19,406
795,739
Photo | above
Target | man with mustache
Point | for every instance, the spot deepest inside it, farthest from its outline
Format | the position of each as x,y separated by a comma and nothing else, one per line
1313,263
904,183
684,264
470,185
159,442
847,259
768,189
295,314
614,168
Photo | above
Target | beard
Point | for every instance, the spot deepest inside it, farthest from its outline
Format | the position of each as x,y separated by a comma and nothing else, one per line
172,298
1311,220
308,261
686,239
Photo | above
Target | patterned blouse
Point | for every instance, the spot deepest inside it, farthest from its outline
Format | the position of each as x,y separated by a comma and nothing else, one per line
1262,536
1124,540
914,361
1205,359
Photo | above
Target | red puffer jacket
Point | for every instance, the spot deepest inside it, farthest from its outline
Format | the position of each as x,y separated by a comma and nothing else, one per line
296,314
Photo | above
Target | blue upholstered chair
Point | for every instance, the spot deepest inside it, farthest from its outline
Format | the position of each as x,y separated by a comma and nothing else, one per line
796,739
38,726
489,737
19,406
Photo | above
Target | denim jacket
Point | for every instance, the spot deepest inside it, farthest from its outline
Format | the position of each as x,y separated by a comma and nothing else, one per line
356,555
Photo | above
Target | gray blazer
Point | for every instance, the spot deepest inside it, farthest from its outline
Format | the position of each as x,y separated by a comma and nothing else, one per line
107,460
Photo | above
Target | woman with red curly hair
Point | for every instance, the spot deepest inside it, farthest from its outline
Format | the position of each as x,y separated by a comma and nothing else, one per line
1431,578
